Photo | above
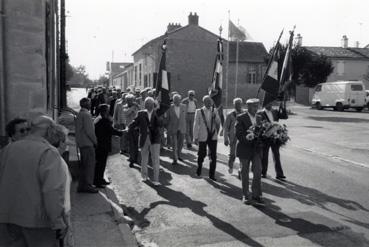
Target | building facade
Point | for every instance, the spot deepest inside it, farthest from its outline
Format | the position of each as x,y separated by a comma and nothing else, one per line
29,58
124,79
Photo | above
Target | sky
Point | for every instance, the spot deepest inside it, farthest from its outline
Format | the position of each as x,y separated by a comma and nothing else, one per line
98,31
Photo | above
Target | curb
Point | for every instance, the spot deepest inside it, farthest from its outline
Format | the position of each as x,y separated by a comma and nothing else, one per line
124,223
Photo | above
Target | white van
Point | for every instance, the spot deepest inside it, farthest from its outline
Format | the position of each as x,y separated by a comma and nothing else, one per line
339,95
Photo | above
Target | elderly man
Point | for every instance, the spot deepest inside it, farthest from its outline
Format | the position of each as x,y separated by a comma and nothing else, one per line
176,126
229,132
191,106
17,129
86,142
205,134
249,151
33,189
148,124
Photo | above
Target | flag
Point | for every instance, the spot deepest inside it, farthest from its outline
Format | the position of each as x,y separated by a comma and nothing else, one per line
163,83
270,83
215,90
236,33
286,72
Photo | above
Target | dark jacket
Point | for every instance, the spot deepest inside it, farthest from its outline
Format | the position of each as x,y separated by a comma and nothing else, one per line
146,127
265,116
245,149
104,131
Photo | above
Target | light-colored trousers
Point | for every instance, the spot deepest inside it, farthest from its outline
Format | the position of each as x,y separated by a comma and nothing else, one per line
177,143
154,149
256,170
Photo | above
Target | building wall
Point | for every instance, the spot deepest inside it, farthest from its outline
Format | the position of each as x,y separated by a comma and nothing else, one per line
349,70
245,90
191,55
30,57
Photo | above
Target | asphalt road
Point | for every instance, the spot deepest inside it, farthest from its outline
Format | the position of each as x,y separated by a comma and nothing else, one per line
324,201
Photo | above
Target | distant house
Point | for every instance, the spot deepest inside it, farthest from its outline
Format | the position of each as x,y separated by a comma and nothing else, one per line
114,68
251,60
124,79
350,63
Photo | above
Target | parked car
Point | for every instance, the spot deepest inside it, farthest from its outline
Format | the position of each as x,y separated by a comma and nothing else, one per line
340,95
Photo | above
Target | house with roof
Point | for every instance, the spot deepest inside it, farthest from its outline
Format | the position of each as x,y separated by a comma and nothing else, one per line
246,68
191,52
350,64
123,79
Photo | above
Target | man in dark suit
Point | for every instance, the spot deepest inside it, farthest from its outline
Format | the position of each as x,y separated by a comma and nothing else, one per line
104,131
249,151
148,122
271,115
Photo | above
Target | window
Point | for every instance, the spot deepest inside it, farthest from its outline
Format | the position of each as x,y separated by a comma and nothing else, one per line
135,74
340,68
356,87
140,73
251,76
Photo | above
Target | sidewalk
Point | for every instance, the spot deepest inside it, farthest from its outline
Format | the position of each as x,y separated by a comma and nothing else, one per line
96,219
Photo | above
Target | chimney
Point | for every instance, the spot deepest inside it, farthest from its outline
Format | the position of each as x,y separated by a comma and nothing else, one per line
299,39
357,44
193,19
344,41
173,26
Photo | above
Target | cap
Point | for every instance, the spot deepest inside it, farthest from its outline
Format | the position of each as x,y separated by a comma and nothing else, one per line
253,101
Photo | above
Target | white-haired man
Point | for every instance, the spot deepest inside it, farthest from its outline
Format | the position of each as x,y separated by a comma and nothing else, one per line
191,106
176,126
229,131
205,134
148,123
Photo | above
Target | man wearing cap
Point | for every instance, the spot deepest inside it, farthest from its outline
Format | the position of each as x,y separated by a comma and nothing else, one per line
229,132
191,105
205,134
86,141
271,115
248,151
33,189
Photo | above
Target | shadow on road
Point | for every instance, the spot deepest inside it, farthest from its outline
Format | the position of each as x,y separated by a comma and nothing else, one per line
305,229
309,196
180,200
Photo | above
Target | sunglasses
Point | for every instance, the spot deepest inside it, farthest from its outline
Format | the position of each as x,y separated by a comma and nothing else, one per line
24,130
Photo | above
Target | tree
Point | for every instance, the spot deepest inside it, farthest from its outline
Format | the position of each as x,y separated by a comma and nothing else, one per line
103,80
309,69
78,76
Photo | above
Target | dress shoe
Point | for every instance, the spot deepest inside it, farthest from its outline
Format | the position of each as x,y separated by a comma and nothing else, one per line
174,163
180,159
282,178
189,146
131,164
246,200
263,175
259,201
87,189
230,170
198,172
213,178
156,183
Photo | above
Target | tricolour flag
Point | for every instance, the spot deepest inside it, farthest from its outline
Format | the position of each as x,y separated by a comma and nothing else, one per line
215,90
286,72
271,79
163,83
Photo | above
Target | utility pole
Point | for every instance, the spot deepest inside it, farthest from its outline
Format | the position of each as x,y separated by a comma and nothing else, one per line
63,58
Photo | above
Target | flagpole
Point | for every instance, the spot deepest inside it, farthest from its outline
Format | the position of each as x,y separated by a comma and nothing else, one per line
236,80
227,68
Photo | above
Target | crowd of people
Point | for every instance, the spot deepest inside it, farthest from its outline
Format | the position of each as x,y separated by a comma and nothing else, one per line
36,210
145,130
